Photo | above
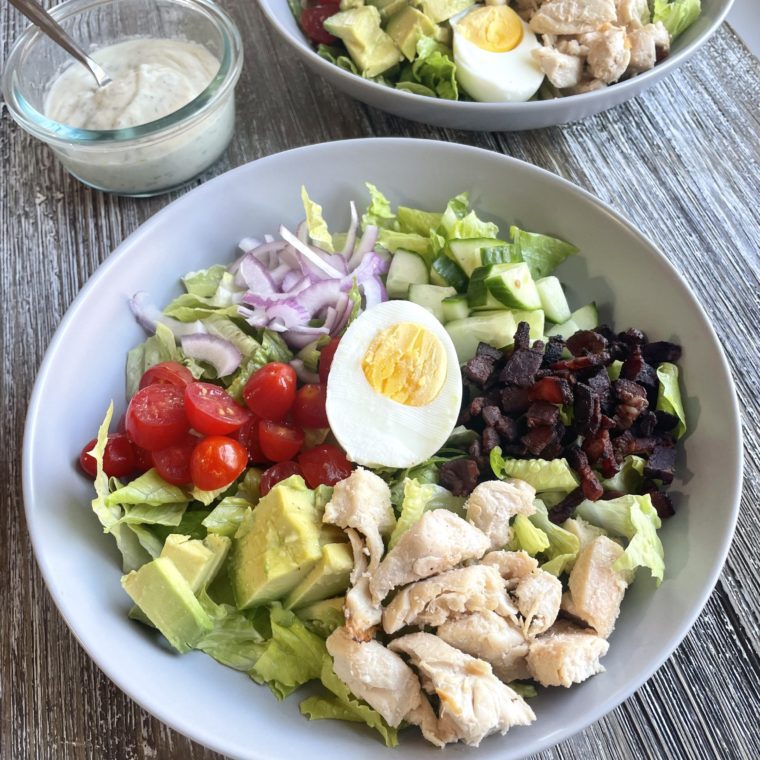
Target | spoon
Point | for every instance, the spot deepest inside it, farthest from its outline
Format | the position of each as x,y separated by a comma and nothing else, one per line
49,26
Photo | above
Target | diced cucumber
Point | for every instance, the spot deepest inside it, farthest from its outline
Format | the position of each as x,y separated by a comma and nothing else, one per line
553,300
497,329
535,320
431,297
447,272
587,317
500,254
478,295
565,330
455,307
514,287
406,269
467,253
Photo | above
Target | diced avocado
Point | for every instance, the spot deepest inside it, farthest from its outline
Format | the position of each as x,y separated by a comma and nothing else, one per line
323,617
440,10
198,561
276,545
167,600
387,8
406,28
329,577
371,48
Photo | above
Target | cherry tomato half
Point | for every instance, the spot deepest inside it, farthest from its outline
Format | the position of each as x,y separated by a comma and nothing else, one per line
275,474
170,373
118,459
312,23
156,417
173,462
248,435
143,459
324,465
279,440
271,390
211,410
325,359
309,407
216,462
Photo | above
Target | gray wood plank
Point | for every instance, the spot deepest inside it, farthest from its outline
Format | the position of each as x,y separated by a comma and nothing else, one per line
681,161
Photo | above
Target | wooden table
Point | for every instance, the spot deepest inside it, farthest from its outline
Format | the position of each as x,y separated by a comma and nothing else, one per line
681,162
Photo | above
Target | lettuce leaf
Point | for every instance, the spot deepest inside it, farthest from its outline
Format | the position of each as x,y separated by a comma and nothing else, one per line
628,478
528,537
433,68
563,545
669,395
676,15
204,282
459,223
343,705
417,221
225,518
150,489
291,657
542,474
420,498
379,211
154,514
316,223
542,253
191,525
635,518
392,240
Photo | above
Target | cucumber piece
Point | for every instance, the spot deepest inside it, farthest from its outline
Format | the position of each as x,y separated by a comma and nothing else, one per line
478,295
448,272
497,329
514,287
553,300
565,330
587,317
455,307
500,254
468,253
535,320
431,297
406,269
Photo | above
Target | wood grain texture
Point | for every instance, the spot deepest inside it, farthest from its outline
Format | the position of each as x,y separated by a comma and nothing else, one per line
681,161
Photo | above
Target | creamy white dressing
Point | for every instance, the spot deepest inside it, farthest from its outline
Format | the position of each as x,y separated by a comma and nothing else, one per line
151,79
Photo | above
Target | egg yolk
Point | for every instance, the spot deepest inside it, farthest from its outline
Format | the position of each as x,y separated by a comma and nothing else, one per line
495,28
406,363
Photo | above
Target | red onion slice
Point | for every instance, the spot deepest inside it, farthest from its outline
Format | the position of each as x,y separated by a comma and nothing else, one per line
303,374
298,337
348,248
374,292
366,244
313,257
254,275
222,355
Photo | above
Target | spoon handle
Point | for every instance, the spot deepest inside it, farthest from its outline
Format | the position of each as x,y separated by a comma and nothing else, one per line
41,18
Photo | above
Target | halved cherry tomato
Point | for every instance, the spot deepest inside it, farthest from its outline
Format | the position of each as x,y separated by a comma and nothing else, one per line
309,407
248,435
271,390
275,474
279,440
212,411
216,461
173,462
312,23
118,458
143,459
324,465
156,417
170,373
325,359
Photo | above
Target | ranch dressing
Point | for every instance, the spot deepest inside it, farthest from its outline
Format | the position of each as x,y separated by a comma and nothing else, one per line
151,79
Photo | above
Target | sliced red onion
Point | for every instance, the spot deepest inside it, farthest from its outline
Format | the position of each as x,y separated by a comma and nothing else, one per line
254,317
248,244
279,273
253,274
291,279
313,257
366,244
298,337
344,306
277,325
374,292
148,316
370,266
222,355
331,315
303,374
268,238
348,248
320,294
302,232
290,313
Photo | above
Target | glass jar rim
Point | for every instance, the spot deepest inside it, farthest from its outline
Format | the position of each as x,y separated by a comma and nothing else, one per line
52,131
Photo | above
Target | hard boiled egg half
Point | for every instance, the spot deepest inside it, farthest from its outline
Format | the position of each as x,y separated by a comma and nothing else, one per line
394,388
493,55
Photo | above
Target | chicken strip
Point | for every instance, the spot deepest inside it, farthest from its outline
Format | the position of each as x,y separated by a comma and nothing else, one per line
363,501
474,702
361,613
608,53
494,503
491,638
572,16
512,566
561,69
453,593
566,655
438,542
538,596
595,589
648,44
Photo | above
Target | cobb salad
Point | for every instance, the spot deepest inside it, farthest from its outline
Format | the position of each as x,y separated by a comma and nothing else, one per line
497,52
392,461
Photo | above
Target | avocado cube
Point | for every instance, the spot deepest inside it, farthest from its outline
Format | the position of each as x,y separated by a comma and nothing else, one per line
167,600
441,10
406,28
328,578
198,561
323,617
388,8
371,49
276,545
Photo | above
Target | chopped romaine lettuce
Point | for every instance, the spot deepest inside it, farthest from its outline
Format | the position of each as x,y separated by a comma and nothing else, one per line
149,488
542,474
628,478
528,537
676,15
316,224
542,253
417,221
433,68
154,514
563,545
379,211
225,518
191,525
204,282
459,223
669,395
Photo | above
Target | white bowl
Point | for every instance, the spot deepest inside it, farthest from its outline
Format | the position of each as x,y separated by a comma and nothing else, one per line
495,117
84,369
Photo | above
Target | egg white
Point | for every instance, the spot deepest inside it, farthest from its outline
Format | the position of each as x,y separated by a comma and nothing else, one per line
514,76
373,429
